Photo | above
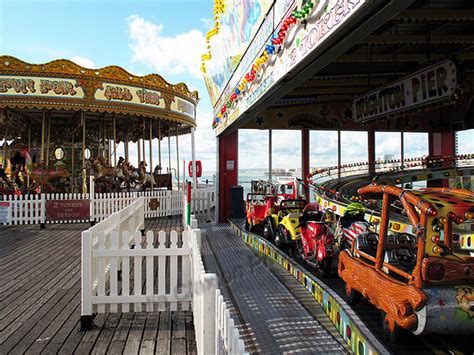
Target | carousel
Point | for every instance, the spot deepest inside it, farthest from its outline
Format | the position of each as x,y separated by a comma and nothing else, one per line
61,124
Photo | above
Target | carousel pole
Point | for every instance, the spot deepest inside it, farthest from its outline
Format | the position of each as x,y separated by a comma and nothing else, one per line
126,145
72,159
151,152
139,151
109,144
84,173
47,142
29,137
99,139
193,152
143,140
159,143
29,149
5,148
169,151
177,157
43,123
115,143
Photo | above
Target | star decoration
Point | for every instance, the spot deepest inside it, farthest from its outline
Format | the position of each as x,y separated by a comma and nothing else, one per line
280,115
442,317
442,302
259,121
348,113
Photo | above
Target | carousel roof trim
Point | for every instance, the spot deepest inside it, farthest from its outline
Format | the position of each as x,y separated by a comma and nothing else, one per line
10,64
64,85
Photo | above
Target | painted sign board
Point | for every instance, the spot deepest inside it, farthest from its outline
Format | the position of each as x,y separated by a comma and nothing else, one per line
67,210
238,24
4,206
326,19
142,96
37,86
426,86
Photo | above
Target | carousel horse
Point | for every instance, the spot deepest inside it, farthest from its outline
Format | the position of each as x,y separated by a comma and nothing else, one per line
144,180
107,178
161,180
50,179
130,175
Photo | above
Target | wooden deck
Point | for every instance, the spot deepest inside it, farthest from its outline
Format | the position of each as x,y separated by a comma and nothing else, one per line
40,300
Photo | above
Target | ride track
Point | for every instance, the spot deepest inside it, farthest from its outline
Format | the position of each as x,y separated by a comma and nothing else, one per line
338,189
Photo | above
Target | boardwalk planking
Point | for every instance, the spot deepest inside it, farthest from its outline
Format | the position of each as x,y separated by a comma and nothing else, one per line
40,300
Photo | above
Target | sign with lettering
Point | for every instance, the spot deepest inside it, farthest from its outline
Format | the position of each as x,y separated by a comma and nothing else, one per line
424,87
37,86
327,17
142,96
67,210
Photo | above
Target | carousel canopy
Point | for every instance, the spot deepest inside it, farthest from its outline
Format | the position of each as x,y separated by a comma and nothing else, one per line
63,89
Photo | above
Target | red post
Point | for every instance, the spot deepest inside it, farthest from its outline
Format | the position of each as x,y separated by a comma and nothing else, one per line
228,171
305,156
371,150
441,144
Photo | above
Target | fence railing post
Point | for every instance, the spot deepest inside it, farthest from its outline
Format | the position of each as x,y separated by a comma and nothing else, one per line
92,200
209,288
86,281
208,215
43,211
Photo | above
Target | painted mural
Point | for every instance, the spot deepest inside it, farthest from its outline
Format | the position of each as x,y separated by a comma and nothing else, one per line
238,25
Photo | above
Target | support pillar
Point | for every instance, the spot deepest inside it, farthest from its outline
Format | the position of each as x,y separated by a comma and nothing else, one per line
305,157
228,153
402,148
371,150
193,157
270,155
444,144
339,157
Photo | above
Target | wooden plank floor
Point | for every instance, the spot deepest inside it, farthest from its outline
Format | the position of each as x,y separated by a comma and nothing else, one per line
40,300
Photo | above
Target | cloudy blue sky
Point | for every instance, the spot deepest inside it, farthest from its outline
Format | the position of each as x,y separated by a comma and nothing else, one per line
142,36
167,37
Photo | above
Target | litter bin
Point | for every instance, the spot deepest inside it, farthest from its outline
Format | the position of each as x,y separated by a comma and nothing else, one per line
237,205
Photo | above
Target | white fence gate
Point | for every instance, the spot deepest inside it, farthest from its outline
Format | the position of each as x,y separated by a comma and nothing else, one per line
110,265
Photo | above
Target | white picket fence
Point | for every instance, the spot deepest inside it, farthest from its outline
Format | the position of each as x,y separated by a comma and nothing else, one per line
31,209
215,329
110,265
94,269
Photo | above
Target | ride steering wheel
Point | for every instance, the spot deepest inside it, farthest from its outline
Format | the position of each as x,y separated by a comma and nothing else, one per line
405,238
372,240
405,256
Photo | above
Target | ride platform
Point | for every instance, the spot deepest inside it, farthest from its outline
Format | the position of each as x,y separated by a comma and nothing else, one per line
269,316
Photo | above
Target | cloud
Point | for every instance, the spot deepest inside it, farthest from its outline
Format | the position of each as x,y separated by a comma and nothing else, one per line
207,23
83,62
465,140
179,54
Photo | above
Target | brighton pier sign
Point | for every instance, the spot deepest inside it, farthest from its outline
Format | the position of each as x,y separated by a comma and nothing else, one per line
429,85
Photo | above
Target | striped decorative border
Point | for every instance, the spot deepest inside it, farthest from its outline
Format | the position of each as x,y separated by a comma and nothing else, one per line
352,329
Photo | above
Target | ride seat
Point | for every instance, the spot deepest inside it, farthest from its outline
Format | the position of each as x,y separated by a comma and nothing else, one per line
294,215
361,244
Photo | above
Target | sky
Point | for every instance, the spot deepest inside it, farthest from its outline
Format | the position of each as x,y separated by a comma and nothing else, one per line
142,36
168,37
